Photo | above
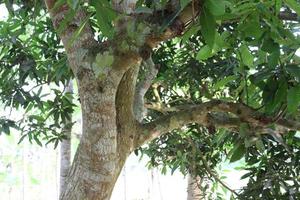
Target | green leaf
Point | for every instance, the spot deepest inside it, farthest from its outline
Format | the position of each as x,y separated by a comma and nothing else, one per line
36,139
216,7
269,45
105,16
224,81
246,56
294,70
22,138
237,152
193,30
293,99
73,3
78,31
273,58
204,53
208,27
68,18
260,145
293,5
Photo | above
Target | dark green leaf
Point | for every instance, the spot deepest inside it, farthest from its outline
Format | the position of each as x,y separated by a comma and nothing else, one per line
237,152
216,7
293,99
208,27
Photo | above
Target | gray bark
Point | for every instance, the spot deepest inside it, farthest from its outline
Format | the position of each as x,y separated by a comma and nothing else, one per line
65,149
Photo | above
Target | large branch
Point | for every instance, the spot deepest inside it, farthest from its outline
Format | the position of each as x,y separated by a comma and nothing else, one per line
217,113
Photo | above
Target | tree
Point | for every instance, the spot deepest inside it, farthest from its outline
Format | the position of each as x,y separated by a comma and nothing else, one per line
110,48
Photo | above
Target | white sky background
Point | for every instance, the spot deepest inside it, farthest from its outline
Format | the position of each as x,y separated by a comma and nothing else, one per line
136,182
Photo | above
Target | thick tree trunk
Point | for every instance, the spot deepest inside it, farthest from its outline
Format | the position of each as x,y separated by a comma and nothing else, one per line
101,153
194,189
65,148
97,162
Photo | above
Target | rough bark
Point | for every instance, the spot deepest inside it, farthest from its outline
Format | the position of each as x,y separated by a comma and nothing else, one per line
65,148
110,96
194,190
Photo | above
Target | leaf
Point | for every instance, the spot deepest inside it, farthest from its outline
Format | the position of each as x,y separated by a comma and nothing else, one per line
36,139
293,5
204,53
73,3
224,81
216,7
208,27
22,138
104,15
269,45
193,30
294,70
237,152
68,18
280,94
260,145
246,56
293,99
56,143
78,31
273,58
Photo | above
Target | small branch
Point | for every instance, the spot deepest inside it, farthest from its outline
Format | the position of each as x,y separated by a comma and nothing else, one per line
210,172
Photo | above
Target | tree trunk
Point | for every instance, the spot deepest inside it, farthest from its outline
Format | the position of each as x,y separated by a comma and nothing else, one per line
194,189
102,152
65,148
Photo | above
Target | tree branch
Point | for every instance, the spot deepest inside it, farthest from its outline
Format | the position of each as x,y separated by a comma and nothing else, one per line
211,173
217,113
150,71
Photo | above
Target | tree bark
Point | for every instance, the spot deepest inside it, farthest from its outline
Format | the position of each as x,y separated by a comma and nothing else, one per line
65,148
194,190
